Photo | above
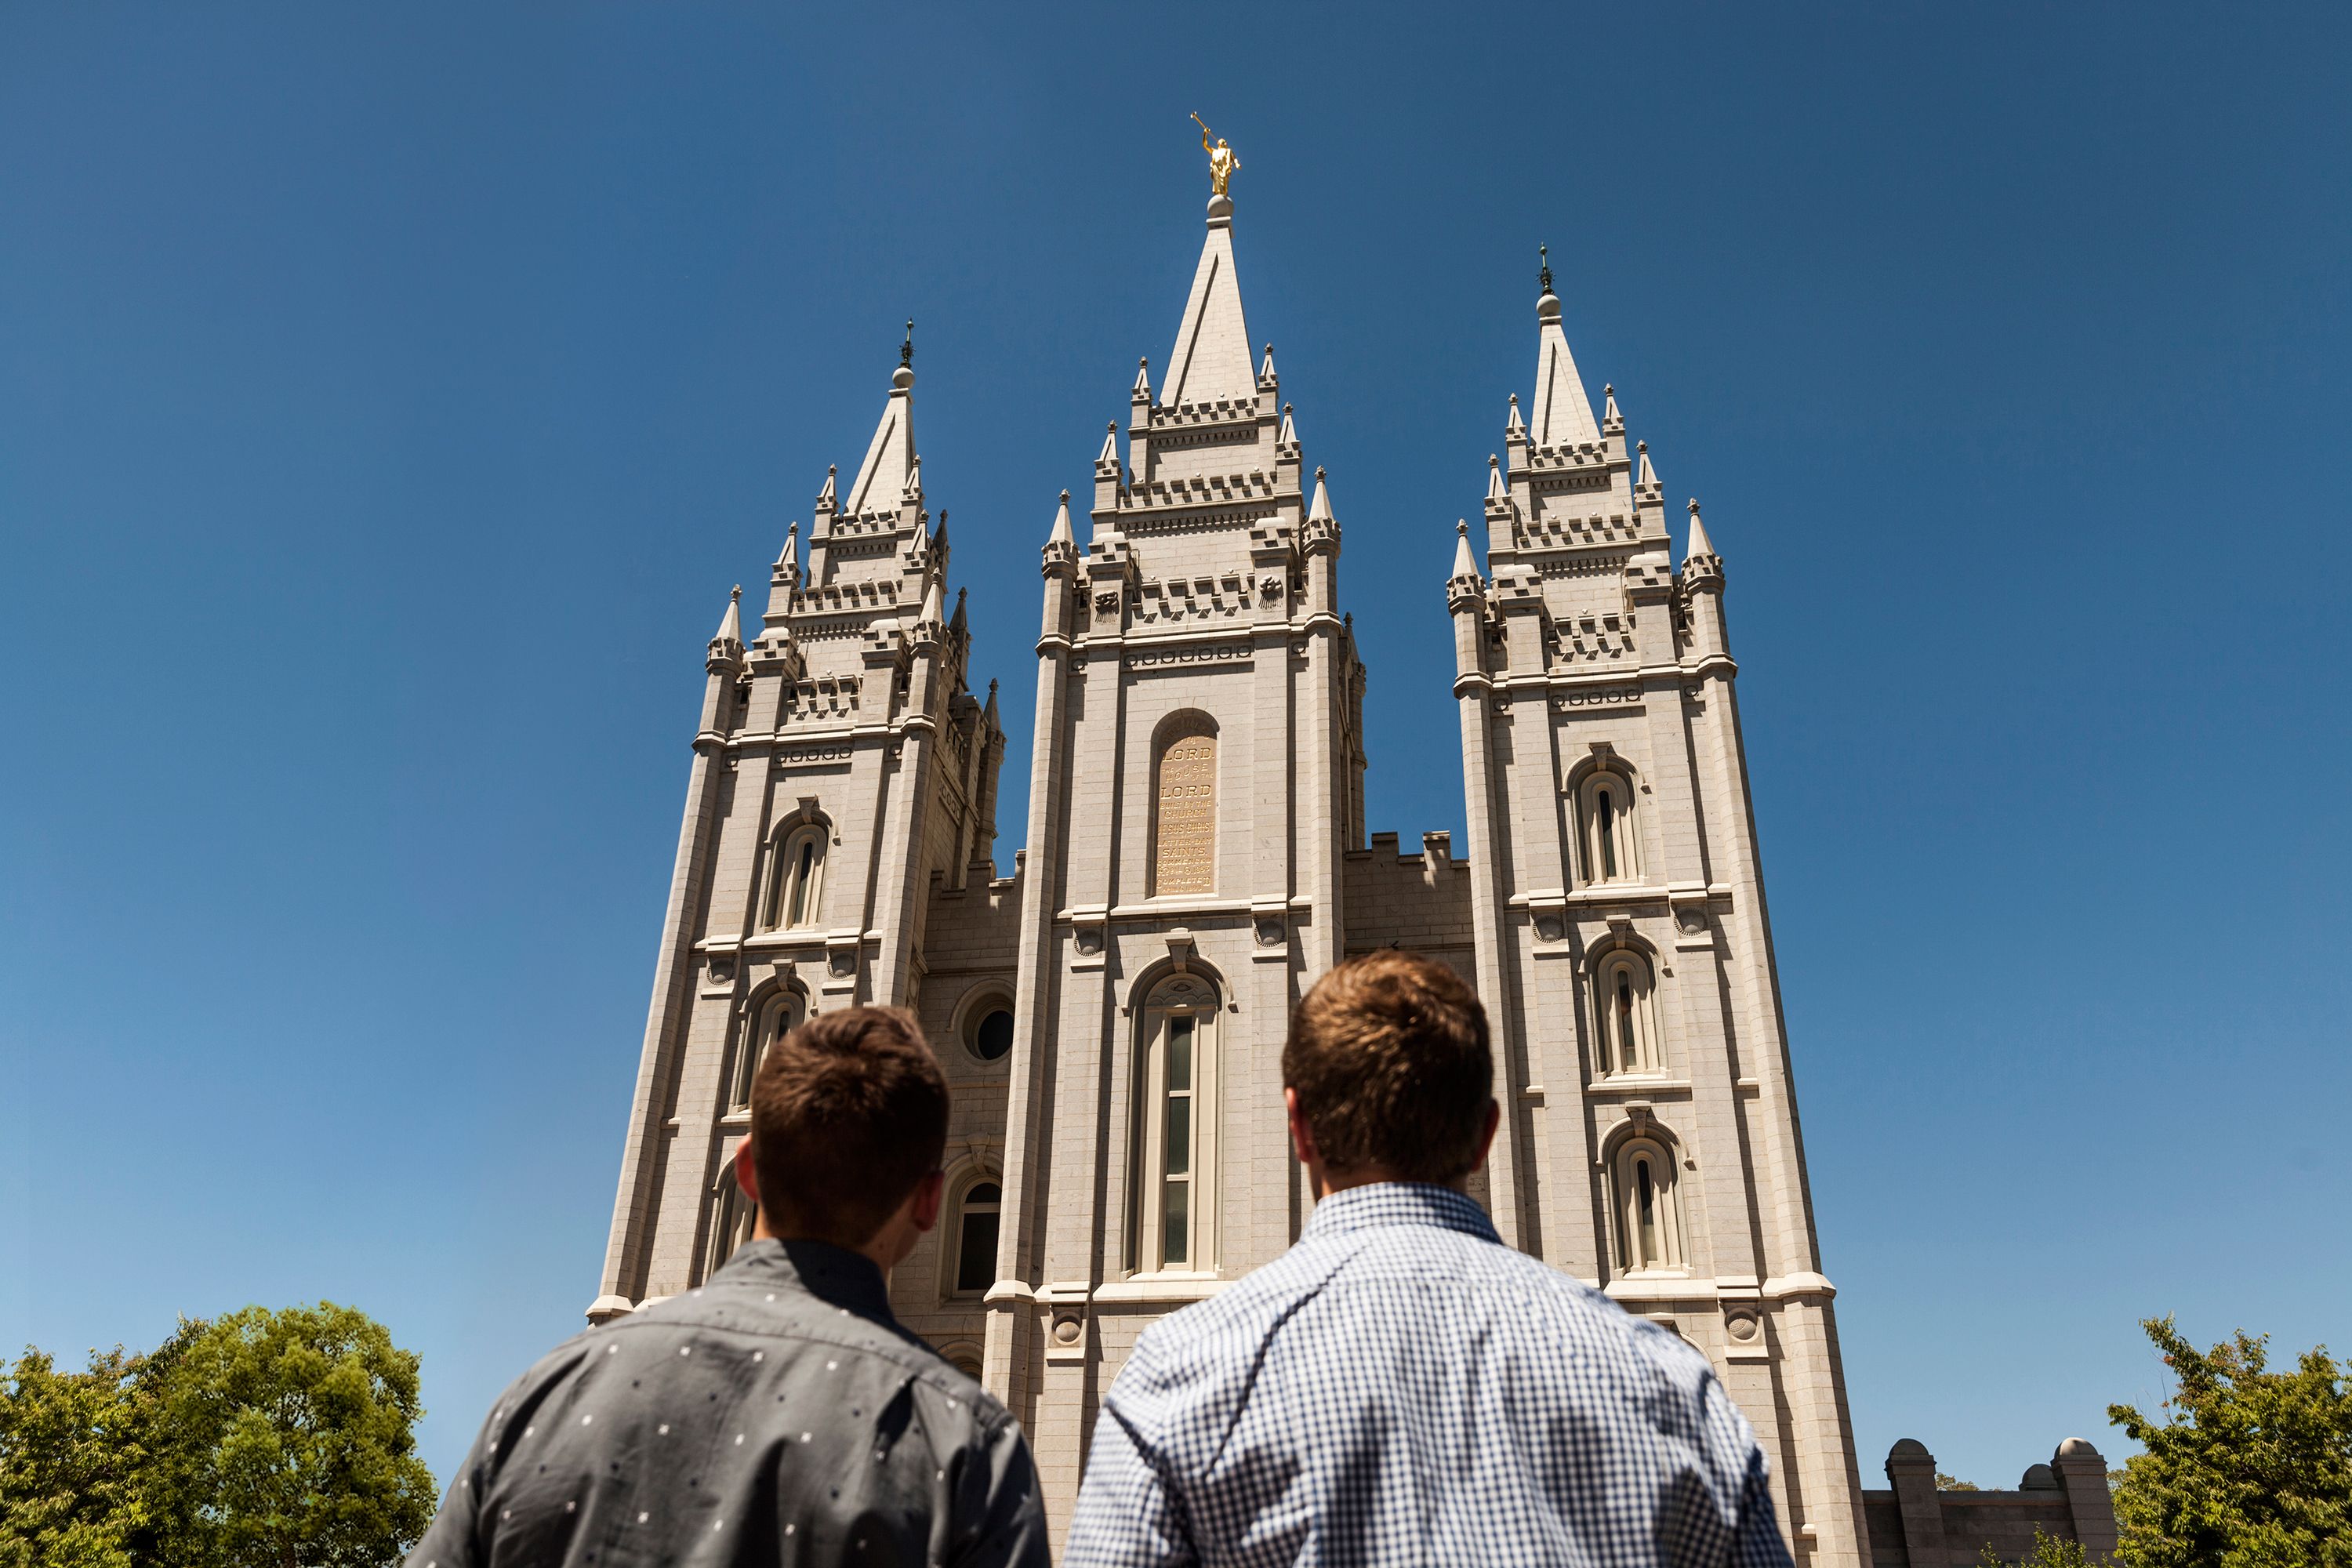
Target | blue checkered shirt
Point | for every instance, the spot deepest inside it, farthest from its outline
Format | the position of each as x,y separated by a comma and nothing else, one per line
1401,1388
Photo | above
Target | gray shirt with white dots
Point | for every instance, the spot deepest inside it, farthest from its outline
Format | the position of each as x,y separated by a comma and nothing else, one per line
777,1415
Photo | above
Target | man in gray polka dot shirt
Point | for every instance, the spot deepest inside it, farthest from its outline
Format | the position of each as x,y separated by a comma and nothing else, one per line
779,1413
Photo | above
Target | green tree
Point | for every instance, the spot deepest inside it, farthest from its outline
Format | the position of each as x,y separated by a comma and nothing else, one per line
74,1450
2049,1551
2248,1467
290,1441
1945,1483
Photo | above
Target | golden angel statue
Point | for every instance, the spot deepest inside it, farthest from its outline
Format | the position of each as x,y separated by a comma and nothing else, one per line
1221,162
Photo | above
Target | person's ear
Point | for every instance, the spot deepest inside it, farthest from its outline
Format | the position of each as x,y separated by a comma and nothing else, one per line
1302,1136
747,1171
923,1204
1486,1138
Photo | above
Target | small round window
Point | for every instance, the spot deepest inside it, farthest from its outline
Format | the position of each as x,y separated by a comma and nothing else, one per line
989,1030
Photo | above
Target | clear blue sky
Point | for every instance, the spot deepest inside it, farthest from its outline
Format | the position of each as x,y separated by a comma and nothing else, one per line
389,396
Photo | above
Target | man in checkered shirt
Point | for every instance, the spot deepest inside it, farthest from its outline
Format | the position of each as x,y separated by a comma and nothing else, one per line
1400,1387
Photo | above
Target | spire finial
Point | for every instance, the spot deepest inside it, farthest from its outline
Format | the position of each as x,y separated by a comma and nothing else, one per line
1543,271
907,349
1318,470
1065,498
1461,527
1694,506
736,594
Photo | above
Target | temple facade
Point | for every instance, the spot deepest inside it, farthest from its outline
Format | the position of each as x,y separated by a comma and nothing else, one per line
1112,1013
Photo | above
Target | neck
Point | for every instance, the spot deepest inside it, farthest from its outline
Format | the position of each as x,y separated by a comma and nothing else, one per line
884,1248
1323,1180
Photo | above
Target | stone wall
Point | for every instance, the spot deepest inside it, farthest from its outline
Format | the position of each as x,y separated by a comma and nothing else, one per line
1914,1525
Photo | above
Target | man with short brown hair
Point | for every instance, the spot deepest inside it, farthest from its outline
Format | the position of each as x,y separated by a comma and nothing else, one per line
1400,1387
778,1413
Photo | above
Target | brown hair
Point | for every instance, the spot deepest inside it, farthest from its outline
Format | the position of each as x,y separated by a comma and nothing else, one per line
849,1112
1389,1057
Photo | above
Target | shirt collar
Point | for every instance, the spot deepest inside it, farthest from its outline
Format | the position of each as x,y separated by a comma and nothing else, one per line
1400,1203
834,1275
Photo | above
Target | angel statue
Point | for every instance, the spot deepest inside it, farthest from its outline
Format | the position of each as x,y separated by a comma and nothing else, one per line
1221,162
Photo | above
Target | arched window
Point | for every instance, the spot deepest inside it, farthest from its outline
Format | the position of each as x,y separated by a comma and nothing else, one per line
1184,809
776,1016
1649,1226
1172,1213
1625,1022
795,889
972,1239
1605,837
731,1218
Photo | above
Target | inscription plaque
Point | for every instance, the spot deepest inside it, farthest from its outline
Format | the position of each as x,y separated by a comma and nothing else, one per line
1184,838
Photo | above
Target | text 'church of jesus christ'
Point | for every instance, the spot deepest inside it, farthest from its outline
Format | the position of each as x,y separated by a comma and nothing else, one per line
1112,1015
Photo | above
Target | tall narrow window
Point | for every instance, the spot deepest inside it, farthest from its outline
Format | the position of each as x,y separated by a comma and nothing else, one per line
1176,1147
1184,818
1649,1234
975,1234
732,1217
1172,1210
1607,850
1624,1021
796,877
775,1018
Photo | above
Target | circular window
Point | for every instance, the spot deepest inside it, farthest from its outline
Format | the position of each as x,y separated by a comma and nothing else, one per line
989,1030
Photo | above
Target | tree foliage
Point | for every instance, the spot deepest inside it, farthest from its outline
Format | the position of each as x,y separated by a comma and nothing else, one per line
2247,1467
74,1448
271,1439
2049,1551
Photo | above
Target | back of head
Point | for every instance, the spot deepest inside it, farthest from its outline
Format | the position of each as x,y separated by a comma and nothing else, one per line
1390,1060
849,1112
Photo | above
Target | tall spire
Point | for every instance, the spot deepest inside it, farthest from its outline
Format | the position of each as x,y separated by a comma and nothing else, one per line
1701,547
726,649
1494,491
1212,356
1516,428
889,462
1062,534
1466,565
1563,414
788,565
1320,509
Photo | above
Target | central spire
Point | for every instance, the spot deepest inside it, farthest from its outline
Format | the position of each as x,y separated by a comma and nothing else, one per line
1563,414
890,459
1212,357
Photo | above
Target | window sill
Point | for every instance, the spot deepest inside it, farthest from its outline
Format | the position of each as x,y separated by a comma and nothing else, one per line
1634,1083
1157,1288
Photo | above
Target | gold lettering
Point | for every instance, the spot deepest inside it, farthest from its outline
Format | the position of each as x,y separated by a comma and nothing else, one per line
1184,840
